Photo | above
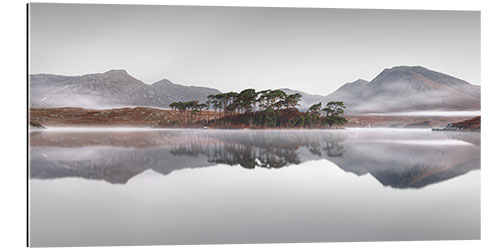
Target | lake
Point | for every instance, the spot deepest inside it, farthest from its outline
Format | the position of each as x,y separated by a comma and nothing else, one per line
97,187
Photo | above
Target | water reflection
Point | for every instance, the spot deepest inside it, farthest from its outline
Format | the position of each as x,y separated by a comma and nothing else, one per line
396,158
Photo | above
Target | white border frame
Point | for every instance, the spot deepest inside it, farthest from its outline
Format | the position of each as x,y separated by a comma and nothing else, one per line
14,119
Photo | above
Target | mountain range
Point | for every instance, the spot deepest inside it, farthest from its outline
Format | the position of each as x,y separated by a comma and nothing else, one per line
114,88
401,88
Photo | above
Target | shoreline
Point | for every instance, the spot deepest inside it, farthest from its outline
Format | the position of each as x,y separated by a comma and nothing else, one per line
132,129
142,117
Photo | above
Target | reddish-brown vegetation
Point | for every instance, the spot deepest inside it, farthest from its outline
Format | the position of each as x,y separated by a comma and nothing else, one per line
473,124
152,117
120,117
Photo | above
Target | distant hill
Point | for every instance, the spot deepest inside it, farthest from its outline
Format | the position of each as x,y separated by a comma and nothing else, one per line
114,88
177,92
349,93
402,88
307,99
406,88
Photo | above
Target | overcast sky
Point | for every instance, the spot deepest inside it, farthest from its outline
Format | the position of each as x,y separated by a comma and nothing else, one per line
232,48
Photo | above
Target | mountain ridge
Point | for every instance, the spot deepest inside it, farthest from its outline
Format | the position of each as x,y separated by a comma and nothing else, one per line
111,89
408,88
400,88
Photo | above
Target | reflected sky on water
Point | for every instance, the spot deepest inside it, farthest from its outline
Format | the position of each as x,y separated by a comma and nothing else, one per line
252,186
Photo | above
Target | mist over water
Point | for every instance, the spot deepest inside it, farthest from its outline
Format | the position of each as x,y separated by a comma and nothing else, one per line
189,186
429,113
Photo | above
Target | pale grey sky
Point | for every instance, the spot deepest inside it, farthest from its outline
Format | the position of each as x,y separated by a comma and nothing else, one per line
232,48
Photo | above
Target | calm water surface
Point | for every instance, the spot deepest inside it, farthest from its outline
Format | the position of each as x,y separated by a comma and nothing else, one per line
145,187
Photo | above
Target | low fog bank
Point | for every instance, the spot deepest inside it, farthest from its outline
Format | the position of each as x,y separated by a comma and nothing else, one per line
440,113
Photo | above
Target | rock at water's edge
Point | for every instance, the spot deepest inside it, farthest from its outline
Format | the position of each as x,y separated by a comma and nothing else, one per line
35,125
473,125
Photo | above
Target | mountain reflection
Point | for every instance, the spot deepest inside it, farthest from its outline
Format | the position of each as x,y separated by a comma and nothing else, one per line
400,160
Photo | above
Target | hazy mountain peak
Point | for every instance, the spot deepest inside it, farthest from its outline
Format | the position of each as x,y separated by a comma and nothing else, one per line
289,91
399,72
113,88
163,81
347,92
178,92
120,72
407,88
413,72
359,82
404,68
417,88
306,100
115,76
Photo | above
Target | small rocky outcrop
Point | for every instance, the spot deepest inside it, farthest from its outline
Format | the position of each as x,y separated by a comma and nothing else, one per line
472,125
34,124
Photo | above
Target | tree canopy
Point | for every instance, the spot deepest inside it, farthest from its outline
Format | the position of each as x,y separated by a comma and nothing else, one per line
273,108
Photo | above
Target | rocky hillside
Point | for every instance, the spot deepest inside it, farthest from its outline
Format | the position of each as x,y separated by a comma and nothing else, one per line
349,93
115,88
406,88
177,92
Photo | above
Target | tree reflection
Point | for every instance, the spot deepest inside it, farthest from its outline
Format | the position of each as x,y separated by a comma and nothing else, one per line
334,149
118,157
258,150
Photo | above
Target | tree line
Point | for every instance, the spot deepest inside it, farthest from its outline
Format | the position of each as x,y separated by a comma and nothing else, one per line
270,108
